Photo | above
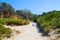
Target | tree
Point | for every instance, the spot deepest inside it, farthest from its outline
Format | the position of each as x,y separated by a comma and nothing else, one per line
26,14
6,9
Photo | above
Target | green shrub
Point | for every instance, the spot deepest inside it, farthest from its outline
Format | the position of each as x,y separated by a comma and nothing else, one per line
5,32
10,21
51,20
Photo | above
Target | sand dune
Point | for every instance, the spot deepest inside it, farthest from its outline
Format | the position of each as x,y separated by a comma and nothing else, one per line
28,32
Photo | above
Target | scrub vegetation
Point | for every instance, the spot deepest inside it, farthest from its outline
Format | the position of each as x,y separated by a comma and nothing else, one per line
9,16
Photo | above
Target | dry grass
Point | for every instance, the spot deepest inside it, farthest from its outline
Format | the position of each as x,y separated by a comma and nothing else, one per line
17,31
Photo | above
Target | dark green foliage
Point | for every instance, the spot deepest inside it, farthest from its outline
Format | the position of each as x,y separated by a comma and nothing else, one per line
6,10
35,18
49,20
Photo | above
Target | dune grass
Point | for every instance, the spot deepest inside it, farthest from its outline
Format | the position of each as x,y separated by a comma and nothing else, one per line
10,21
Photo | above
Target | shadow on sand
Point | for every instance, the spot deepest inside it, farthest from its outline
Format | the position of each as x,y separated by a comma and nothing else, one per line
39,29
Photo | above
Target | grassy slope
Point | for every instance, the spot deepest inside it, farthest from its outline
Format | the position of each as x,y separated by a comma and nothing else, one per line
51,20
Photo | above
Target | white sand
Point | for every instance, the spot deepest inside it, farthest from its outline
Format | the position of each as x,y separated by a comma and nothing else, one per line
28,32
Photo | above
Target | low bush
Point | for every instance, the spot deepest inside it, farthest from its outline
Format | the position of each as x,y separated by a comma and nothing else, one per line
10,21
4,32
49,21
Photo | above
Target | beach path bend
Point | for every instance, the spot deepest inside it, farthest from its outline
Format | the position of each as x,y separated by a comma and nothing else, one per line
28,32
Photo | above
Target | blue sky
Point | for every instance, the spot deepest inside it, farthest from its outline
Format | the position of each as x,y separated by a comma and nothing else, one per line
36,6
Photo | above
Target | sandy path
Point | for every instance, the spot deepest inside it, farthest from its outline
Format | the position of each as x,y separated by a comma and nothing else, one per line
28,32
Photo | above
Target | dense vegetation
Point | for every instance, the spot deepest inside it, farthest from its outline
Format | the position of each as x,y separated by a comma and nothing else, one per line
10,21
49,21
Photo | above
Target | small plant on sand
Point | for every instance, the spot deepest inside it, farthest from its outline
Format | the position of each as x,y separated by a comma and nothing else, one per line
4,32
